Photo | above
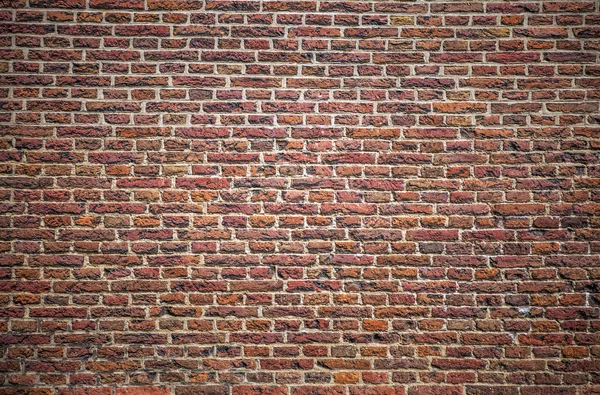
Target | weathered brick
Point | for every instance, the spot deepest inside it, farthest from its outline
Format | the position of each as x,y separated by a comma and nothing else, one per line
247,197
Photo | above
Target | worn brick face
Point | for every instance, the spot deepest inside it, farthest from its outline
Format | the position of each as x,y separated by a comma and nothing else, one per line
258,197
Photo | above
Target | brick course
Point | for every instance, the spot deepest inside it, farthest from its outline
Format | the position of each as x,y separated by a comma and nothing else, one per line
299,197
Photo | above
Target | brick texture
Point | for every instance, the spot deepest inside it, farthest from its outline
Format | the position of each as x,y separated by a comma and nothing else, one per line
299,197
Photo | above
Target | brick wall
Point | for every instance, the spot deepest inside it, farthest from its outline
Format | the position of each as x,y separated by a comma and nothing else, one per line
299,197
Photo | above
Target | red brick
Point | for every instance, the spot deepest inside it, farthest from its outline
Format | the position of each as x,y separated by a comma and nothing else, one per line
247,197
143,390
